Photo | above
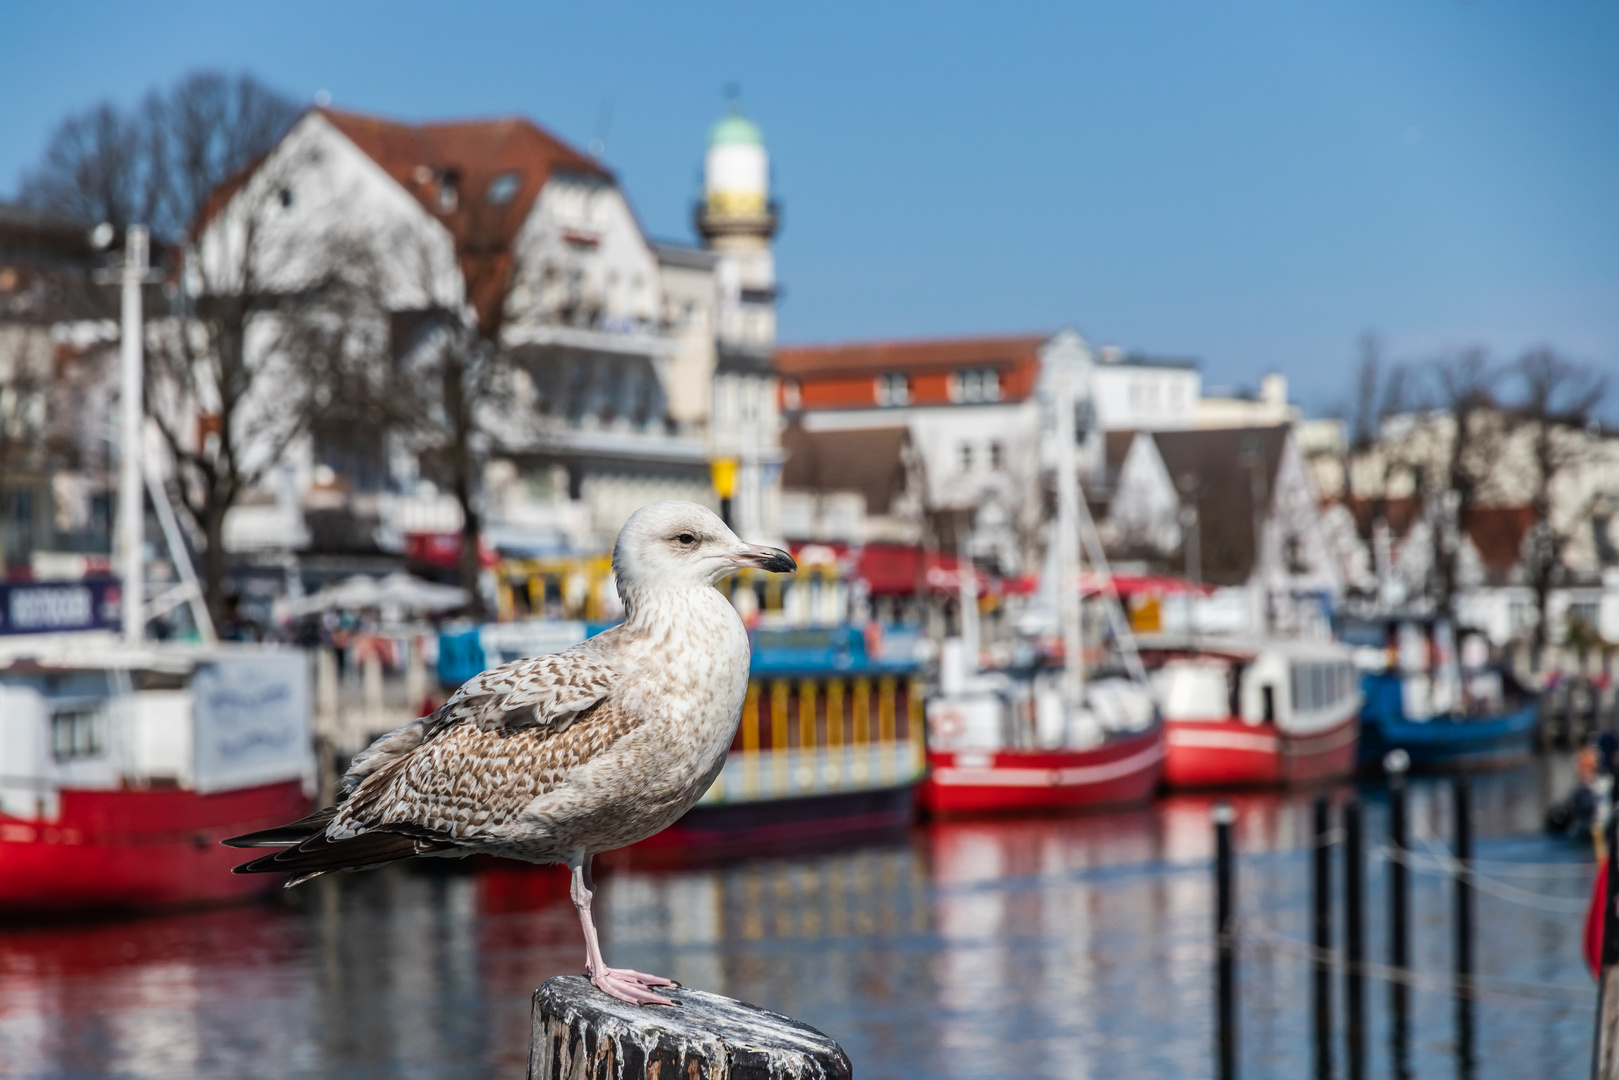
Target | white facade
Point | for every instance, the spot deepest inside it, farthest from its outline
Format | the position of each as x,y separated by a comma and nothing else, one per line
615,399
1131,395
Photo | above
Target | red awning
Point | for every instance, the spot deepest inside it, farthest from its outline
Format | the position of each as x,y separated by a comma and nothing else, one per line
443,550
1149,584
904,570
897,569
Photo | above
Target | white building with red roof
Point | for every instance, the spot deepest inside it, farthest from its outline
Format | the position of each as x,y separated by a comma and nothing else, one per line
637,363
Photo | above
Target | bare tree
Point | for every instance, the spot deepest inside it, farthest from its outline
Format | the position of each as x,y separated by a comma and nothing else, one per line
1378,460
238,369
257,358
157,164
1560,402
453,399
1466,383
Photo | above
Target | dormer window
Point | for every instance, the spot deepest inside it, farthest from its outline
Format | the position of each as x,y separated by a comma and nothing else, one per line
893,388
973,385
503,189
449,191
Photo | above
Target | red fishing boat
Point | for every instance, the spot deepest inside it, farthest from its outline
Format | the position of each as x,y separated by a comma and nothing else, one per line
121,768
1255,713
1122,770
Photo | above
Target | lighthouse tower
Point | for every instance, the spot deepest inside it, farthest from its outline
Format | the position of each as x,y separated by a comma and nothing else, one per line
737,221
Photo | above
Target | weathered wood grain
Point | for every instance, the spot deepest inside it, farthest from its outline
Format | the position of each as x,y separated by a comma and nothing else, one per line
579,1033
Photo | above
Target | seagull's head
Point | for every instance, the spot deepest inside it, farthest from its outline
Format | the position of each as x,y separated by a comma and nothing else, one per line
677,545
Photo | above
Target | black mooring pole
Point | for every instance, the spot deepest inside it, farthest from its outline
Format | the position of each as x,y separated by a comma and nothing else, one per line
1395,765
1606,1065
1321,935
1463,857
1225,942
1354,939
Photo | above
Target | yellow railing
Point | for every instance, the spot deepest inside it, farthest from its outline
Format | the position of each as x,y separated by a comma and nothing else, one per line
816,736
580,585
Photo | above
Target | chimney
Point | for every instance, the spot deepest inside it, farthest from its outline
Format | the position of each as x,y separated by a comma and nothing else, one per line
1273,390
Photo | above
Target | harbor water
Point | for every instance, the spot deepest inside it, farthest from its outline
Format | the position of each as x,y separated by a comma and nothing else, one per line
1059,946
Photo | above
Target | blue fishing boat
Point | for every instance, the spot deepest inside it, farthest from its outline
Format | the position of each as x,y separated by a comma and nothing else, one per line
1453,741
1439,695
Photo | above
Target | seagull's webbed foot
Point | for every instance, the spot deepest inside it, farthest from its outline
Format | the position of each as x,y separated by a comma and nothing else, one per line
631,986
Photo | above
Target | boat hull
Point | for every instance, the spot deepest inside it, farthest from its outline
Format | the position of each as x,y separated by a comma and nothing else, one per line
1233,753
1453,742
138,848
762,826
1122,771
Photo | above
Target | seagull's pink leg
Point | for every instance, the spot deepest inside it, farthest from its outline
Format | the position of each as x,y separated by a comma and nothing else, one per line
622,983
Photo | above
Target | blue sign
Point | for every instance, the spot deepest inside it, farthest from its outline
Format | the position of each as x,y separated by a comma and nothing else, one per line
54,607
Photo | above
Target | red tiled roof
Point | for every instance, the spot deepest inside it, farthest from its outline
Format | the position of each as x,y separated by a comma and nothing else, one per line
1497,533
880,356
420,157
1220,463
868,460
476,152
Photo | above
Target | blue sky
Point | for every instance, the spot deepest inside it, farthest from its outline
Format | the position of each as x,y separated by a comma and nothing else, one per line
1250,184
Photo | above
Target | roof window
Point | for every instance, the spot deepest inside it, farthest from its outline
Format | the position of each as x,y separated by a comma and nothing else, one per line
449,191
893,389
503,189
975,385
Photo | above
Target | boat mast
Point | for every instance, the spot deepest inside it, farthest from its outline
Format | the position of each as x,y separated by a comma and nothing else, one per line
1067,539
967,596
131,493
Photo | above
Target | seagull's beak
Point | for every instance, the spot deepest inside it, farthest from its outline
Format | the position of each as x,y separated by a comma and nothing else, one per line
775,560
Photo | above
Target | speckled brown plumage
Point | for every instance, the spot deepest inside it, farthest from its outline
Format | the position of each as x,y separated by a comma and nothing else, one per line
556,758
552,758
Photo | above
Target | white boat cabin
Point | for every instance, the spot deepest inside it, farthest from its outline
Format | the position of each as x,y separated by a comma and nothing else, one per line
1298,688
84,714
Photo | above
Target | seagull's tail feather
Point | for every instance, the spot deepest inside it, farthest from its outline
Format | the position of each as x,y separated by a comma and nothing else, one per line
294,832
317,855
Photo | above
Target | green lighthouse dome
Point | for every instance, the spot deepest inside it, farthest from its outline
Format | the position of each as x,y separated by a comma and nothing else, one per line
735,129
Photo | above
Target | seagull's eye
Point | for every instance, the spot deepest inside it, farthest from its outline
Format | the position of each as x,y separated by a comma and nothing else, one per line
686,538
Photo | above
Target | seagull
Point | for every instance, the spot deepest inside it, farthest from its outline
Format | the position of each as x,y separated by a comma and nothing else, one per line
553,759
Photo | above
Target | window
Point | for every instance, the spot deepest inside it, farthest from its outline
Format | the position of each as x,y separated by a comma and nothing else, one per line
286,198
964,456
975,385
893,389
78,733
503,189
997,456
449,194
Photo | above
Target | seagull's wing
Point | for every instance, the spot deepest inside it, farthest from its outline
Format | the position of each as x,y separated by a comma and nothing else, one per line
461,775
470,785
544,693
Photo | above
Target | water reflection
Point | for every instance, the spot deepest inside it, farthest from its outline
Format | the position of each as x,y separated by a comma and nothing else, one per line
1073,947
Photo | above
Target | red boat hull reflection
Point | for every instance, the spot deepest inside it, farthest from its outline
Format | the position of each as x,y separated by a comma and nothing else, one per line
138,848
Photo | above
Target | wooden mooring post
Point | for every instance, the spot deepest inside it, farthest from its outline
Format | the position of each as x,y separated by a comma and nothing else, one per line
1606,1065
1395,764
1354,940
580,1032
1321,935
1225,943
1462,855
